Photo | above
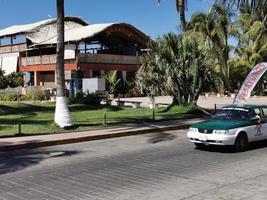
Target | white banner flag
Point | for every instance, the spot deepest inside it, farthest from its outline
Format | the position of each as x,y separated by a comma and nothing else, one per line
250,82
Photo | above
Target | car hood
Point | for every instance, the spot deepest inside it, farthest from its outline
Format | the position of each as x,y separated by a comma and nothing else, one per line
222,124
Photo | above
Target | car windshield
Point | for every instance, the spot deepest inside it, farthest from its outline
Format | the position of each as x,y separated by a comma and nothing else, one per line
232,114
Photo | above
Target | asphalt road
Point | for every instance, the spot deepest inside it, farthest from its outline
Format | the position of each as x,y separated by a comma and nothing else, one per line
155,166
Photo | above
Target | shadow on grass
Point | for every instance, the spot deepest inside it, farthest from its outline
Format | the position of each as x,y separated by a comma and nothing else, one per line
181,110
22,108
25,121
83,107
20,159
115,121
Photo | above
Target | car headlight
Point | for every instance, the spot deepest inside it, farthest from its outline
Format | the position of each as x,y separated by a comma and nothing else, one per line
219,131
225,132
193,129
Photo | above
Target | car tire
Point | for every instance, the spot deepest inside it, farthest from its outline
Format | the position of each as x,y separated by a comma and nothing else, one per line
199,145
241,143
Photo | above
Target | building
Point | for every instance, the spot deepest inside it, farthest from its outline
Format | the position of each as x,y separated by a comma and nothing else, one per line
90,51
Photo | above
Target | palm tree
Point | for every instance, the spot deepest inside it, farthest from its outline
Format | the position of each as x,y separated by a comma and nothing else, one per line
180,7
250,30
175,66
214,29
62,114
254,4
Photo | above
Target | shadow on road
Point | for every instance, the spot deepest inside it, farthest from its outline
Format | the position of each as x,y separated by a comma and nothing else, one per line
17,160
160,137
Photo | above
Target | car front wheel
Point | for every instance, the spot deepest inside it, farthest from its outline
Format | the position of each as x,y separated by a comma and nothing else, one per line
241,143
200,145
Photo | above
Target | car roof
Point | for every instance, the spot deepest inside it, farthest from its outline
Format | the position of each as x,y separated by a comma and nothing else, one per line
245,106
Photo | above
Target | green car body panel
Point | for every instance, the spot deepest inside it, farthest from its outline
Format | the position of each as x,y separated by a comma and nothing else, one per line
225,124
222,124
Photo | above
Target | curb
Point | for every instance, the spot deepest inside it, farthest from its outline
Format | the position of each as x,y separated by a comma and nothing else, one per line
35,144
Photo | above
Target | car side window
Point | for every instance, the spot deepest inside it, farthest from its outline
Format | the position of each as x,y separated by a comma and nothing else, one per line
257,112
264,110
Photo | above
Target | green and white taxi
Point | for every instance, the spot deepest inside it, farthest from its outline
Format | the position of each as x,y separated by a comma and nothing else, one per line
235,125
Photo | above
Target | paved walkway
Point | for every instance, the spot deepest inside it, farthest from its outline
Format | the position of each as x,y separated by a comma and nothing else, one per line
204,102
97,134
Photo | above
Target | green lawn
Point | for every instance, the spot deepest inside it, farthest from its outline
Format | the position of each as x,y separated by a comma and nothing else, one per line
38,118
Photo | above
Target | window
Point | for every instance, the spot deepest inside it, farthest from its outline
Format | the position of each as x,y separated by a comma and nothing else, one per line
232,114
264,112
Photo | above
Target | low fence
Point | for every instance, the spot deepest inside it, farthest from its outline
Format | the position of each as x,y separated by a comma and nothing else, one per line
10,90
33,118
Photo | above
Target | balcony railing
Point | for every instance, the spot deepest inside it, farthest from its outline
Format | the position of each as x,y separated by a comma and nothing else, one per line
108,59
83,58
38,60
12,48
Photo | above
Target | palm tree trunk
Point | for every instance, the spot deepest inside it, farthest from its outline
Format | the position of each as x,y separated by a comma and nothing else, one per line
62,114
180,6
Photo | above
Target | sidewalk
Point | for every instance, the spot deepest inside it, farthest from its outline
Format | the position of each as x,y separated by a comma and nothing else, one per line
65,138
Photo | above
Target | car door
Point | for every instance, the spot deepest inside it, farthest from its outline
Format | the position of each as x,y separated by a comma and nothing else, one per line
257,130
264,121
251,128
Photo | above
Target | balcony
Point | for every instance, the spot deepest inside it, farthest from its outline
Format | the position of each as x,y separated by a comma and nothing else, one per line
82,58
12,48
38,60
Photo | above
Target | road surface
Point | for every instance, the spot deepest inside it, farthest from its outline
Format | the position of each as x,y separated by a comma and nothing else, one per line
156,166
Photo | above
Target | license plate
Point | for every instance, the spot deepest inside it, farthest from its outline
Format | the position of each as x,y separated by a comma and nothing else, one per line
202,137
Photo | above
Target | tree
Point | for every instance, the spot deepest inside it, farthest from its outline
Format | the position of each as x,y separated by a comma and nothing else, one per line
62,114
250,30
15,79
3,80
214,28
12,80
175,66
181,7
254,5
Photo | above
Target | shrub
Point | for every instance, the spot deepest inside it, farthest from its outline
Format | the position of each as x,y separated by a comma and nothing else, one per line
8,97
37,95
85,98
91,99
27,97
40,95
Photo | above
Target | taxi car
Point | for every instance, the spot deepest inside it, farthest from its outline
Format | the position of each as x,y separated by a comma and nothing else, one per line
235,125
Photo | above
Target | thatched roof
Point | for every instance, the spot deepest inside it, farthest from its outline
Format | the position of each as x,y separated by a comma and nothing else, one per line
76,30
90,31
26,28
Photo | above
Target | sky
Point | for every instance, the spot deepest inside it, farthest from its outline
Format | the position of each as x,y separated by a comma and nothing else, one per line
146,15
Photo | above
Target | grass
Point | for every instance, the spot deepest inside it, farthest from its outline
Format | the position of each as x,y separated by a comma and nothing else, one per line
38,118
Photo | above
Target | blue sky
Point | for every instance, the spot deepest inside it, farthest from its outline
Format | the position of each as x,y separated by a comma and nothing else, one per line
146,15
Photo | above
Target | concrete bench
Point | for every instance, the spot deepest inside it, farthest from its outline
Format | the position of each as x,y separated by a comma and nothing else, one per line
135,104
162,104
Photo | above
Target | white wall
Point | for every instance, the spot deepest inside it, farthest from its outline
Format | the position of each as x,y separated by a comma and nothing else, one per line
9,62
93,84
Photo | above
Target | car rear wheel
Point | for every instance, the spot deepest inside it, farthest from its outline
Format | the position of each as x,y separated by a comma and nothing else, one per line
241,142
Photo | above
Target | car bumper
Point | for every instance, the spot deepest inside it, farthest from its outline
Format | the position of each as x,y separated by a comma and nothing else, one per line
211,139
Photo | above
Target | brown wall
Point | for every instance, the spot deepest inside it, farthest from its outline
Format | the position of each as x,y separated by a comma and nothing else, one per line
50,67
